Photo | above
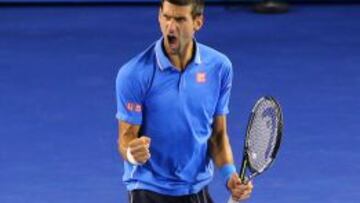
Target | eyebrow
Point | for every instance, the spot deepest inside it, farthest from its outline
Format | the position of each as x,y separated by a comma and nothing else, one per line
175,17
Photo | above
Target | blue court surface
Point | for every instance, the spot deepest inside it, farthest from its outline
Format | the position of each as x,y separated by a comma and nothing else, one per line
57,106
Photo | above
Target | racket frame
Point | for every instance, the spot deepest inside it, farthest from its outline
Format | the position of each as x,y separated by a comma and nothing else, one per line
245,161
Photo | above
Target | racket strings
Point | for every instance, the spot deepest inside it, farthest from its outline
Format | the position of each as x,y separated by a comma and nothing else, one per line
262,134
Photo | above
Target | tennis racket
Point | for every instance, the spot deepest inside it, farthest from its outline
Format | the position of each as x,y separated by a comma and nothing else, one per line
263,138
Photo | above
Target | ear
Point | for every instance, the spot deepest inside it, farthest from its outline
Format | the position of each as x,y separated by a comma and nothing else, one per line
159,15
198,22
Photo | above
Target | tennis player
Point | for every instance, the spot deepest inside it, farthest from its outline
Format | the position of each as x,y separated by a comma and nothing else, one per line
172,101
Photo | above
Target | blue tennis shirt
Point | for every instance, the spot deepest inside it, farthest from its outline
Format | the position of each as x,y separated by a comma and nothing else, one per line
176,110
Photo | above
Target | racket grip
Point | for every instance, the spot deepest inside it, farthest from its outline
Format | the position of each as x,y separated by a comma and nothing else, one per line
231,200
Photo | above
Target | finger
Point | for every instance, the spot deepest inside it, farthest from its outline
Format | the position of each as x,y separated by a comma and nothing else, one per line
139,148
245,196
237,180
241,187
241,190
140,157
145,140
249,184
143,159
234,180
142,140
237,193
141,154
246,193
237,197
135,142
248,187
240,193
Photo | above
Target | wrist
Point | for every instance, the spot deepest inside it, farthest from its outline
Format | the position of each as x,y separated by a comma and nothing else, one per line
226,171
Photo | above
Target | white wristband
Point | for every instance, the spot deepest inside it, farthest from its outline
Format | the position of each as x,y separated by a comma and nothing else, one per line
130,157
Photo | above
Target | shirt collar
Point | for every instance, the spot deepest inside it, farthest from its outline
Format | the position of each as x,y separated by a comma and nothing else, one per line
164,62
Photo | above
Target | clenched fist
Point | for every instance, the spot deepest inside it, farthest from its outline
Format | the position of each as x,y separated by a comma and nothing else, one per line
139,150
239,190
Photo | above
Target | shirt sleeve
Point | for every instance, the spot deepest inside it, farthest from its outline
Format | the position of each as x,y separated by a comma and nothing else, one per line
222,107
129,96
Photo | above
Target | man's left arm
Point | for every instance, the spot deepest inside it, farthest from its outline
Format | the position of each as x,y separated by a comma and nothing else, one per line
222,155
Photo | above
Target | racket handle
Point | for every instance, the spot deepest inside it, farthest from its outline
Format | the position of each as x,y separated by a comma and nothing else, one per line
231,200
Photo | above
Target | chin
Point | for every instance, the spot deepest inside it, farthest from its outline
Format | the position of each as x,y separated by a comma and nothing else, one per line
173,51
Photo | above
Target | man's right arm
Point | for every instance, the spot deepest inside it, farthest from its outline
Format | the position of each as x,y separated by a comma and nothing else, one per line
129,141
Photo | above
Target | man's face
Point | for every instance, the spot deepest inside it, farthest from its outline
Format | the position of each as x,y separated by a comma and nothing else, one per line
178,26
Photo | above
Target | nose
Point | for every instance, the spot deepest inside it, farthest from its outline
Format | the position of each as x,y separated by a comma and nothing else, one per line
171,26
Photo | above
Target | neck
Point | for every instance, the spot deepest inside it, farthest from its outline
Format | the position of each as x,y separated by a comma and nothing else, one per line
181,60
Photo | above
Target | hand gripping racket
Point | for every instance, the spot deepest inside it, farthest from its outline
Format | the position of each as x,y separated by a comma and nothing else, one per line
263,138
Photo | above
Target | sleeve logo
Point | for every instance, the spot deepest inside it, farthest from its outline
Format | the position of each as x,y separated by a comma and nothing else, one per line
134,107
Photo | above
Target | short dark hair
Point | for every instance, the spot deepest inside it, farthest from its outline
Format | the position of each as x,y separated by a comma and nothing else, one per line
197,5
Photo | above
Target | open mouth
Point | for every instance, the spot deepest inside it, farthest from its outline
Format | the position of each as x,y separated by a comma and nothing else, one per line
171,39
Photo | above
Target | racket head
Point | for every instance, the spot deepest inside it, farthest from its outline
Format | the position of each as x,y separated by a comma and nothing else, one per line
263,137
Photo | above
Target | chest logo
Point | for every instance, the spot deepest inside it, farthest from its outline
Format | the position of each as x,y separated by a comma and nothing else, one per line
201,77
